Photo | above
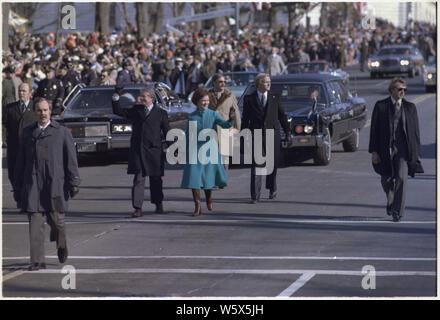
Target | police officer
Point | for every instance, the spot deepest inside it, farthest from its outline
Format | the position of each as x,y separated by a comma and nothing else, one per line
72,77
88,74
51,89
126,75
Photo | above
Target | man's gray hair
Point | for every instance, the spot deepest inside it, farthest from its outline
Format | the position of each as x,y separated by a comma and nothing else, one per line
260,77
394,81
150,91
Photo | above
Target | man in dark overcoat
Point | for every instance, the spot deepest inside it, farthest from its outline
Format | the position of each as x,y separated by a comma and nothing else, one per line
262,110
146,156
17,116
45,177
395,145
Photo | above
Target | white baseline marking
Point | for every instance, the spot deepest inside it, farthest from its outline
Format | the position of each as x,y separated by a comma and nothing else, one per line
334,258
239,271
297,284
356,221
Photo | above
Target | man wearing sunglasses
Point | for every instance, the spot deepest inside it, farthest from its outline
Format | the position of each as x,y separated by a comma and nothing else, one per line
395,145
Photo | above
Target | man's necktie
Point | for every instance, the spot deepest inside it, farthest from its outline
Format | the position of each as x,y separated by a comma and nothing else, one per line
263,100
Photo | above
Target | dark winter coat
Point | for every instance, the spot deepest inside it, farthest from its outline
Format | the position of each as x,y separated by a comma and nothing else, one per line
381,135
146,154
46,168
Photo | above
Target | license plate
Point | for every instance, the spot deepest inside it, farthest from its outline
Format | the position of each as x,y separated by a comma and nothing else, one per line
86,147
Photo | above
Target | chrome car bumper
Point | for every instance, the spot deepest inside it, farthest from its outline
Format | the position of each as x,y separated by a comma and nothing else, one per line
299,141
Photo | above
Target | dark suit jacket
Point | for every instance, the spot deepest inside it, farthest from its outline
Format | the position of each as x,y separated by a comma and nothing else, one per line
14,122
381,135
148,132
46,168
256,116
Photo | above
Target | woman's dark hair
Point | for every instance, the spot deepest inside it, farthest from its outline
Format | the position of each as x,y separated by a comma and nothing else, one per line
199,94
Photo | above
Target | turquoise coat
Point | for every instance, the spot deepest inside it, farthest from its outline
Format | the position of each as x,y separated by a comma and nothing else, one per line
203,168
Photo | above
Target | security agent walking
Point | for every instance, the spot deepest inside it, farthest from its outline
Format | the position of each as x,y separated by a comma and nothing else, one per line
146,156
45,177
17,116
262,110
395,145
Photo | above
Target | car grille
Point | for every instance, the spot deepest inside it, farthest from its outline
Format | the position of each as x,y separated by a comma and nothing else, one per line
89,131
390,63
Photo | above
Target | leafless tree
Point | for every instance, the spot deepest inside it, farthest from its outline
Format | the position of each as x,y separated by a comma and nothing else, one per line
102,17
5,26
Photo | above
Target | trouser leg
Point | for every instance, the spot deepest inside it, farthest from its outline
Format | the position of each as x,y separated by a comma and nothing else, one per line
137,191
388,188
156,192
58,228
271,180
255,184
36,237
400,181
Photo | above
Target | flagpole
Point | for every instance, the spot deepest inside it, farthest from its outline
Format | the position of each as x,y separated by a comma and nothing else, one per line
237,19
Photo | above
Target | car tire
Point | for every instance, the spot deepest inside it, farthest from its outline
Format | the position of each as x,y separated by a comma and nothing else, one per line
323,154
352,143
372,75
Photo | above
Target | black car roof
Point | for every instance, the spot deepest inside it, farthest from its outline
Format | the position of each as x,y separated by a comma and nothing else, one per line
132,86
403,46
301,77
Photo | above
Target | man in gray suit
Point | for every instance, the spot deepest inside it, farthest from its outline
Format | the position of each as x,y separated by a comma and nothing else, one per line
45,176
274,63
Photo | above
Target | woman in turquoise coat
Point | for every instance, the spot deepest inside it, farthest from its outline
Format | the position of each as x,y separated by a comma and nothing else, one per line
203,167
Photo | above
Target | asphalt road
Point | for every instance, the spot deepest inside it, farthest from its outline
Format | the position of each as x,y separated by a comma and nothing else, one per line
325,235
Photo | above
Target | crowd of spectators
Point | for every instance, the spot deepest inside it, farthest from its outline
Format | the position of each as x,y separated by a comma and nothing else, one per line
186,61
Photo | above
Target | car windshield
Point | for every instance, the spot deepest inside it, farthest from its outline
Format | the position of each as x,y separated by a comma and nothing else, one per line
394,51
236,79
307,67
295,96
102,99
432,60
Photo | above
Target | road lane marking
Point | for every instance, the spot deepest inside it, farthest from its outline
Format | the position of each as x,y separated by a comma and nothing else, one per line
360,220
11,275
237,271
333,258
297,284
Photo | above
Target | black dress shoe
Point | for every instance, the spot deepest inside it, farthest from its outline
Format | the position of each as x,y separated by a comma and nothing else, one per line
272,195
62,254
37,266
253,201
396,216
159,208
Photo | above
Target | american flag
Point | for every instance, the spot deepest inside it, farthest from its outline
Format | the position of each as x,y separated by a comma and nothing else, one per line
261,5
360,7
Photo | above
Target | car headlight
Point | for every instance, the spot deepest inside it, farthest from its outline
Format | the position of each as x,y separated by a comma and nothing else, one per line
429,76
404,62
375,64
308,129
121,128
